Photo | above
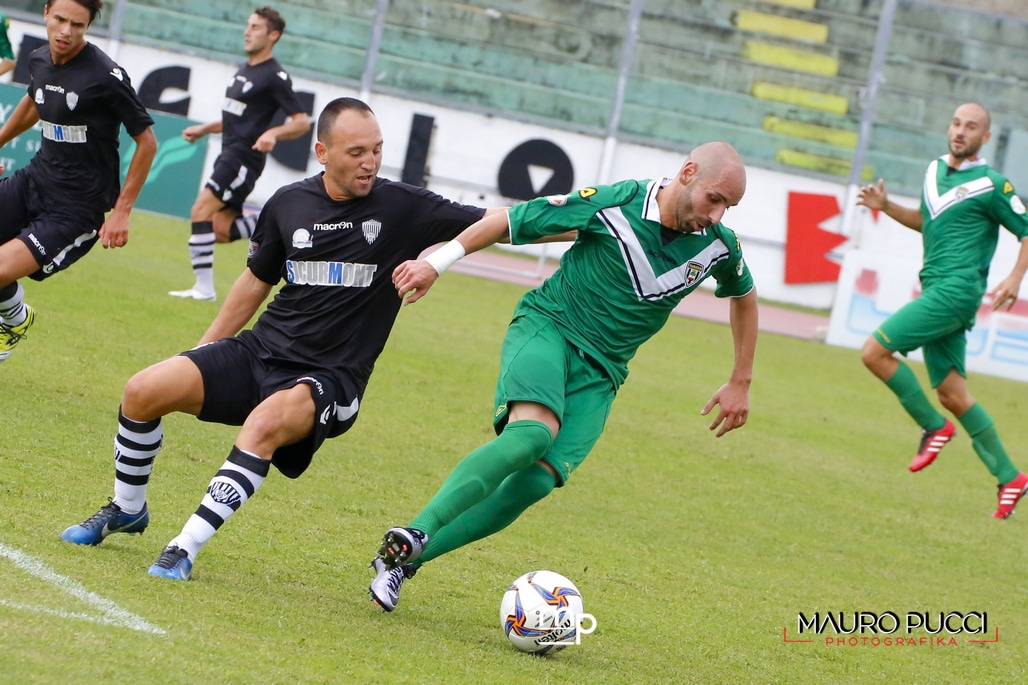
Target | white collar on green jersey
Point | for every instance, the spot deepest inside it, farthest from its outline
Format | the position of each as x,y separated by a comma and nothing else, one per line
966,164
651,211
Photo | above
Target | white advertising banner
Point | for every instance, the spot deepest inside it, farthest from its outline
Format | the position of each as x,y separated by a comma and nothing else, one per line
872,285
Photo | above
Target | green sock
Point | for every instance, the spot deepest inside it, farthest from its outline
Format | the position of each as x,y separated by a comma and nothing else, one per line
477,475
904,384
985,440
497,511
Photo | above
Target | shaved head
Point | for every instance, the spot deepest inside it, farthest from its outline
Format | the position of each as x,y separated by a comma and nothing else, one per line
712,179
974,111
719,163
968,131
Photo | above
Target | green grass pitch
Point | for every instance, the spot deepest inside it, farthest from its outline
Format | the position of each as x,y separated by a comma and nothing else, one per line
692,553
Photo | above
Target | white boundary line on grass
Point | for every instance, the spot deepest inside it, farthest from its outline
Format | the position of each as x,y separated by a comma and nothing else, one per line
112,614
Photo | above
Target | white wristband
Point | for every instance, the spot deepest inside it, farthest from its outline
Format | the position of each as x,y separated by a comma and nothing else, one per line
446,256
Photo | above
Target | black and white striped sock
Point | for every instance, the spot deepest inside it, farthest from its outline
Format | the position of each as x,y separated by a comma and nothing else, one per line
242,227
135,448
236,481
201,254
12,304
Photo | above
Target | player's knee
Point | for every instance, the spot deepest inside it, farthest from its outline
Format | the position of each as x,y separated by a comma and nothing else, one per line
873,353
955,401
140,398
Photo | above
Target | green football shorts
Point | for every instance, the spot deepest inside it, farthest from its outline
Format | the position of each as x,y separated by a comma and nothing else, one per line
934,324
538,365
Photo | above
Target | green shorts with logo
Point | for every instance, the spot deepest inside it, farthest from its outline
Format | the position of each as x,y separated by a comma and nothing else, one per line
935,324
538,365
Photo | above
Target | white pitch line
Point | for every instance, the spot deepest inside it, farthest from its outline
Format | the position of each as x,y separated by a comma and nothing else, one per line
112,613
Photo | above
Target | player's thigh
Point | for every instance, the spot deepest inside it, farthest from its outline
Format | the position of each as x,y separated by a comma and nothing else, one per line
534,364
232,377
589,396
174,384
284,417
919,322
205,205
231,181
60,236
16,261
16,206
946,354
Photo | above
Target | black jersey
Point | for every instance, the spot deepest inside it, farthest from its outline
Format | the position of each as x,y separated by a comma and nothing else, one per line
337,257
82,105
252,97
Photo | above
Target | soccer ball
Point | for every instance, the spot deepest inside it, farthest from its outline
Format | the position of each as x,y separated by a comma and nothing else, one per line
539,612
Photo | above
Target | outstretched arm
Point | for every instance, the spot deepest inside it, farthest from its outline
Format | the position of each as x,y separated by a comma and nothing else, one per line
733,398
20,120
294,127
197,131
247,294
875,197
1004,295
114,232
413,278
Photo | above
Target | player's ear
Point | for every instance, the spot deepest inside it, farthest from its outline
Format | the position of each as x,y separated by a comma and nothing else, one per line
321,152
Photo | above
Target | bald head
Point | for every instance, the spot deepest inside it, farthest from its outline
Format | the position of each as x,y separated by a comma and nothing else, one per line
719,165
968,131
711,180
972,111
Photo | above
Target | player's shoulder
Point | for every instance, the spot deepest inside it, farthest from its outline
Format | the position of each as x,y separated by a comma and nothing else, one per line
999,181
304,191
728,237
387,190
42,53
272,69
601,196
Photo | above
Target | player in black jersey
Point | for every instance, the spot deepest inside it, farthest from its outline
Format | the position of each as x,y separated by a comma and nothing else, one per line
259,88
53,209
298,376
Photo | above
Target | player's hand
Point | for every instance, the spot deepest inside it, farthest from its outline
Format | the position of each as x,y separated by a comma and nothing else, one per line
2,167
413,278
192,133
873,196
265,143
1004,295
114,232
732,400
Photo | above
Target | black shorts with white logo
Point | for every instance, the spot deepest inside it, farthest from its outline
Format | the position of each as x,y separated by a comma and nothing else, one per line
232,181
236,380
57,231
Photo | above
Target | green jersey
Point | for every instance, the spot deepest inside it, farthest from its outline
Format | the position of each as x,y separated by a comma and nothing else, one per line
961,213
6,52
619,282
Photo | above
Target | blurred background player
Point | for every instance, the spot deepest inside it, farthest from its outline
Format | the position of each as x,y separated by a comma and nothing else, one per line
963,204
258,89
53,209
7,61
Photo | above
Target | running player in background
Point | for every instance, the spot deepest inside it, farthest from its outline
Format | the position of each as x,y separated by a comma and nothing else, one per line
258,89
963,204
53,209
7,61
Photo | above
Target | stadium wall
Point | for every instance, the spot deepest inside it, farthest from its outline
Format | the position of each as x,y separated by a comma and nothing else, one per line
790,224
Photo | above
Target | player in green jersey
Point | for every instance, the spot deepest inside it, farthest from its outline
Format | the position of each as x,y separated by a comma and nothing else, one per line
641,247
7,62
963,204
